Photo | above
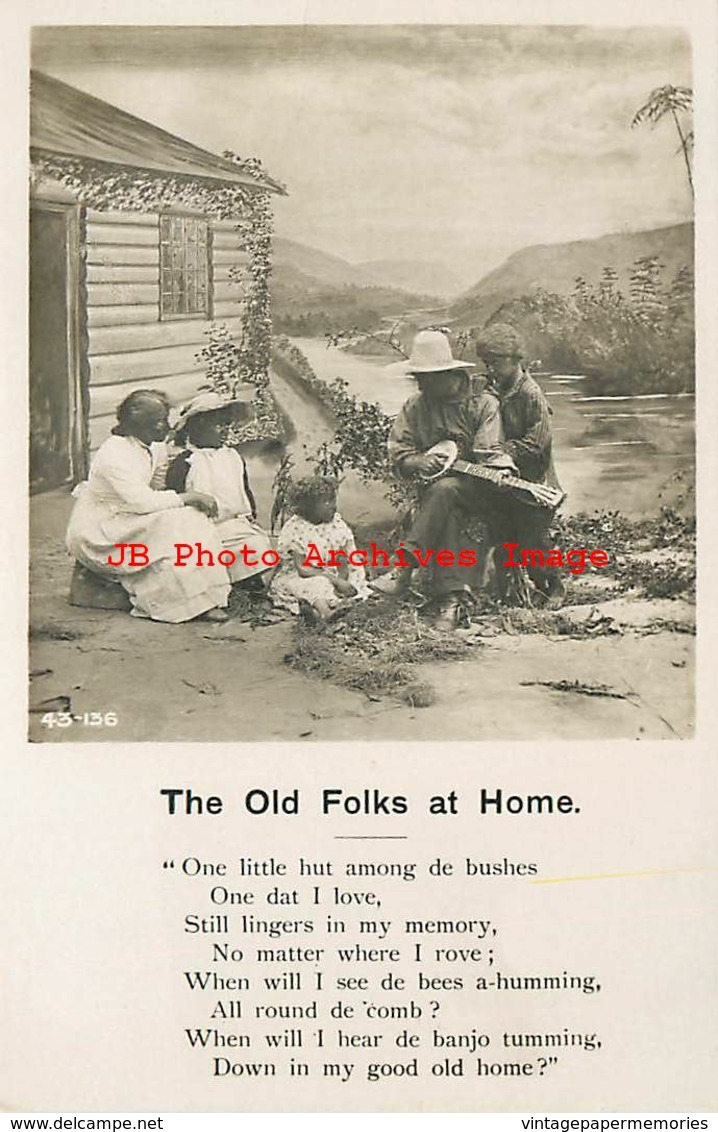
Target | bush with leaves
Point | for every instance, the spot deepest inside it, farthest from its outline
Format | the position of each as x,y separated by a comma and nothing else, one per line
639,342
362,428
224,361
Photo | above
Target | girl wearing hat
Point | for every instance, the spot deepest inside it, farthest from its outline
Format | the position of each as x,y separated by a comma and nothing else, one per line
209,466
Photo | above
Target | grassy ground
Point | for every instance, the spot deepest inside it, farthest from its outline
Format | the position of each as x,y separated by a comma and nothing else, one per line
612,663
375,648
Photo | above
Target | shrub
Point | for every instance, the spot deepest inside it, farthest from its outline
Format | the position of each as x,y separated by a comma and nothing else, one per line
226,366
641,342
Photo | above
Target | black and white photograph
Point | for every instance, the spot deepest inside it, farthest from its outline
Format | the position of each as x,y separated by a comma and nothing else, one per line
361,383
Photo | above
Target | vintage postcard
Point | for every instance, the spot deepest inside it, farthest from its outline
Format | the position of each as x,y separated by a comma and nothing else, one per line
365,763
249,327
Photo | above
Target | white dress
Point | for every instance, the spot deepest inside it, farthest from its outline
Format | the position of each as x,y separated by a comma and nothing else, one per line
220,472
300,535
117,504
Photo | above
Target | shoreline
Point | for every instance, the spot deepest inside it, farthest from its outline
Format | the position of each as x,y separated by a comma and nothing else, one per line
632,461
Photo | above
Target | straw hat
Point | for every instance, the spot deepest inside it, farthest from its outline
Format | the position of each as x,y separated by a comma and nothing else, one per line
431,353
209,401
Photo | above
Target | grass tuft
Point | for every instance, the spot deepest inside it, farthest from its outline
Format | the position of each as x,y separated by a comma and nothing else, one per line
374,649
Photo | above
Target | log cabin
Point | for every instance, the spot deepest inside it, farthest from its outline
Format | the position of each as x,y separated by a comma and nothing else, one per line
140,242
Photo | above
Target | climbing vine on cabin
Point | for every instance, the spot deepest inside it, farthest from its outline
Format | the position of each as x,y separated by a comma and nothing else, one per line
254,229
229,361
108,187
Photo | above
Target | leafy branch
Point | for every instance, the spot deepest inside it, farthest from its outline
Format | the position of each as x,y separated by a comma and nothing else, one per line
676,102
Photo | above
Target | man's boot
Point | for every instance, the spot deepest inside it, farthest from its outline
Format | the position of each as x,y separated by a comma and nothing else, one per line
553,588
556,592
395,583
449,612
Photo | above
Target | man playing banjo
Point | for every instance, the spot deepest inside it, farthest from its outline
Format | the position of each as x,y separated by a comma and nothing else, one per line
448,408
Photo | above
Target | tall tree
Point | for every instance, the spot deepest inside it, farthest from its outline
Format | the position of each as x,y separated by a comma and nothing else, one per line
646,290
676,101
582,294
608,291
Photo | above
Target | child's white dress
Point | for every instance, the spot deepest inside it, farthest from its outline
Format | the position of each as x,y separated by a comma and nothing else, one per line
220,472
313,540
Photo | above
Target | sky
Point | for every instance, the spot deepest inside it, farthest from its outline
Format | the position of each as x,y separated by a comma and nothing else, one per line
454,144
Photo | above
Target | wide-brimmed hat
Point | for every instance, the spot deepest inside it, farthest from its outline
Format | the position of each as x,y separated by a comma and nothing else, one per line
209,401
431,353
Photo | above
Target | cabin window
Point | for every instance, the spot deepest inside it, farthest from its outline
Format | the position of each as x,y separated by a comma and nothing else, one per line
184,267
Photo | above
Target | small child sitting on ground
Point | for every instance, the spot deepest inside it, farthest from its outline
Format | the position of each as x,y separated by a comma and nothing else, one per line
314,530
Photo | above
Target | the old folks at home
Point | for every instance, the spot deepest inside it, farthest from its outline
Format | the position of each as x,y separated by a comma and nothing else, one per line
119,504
506,423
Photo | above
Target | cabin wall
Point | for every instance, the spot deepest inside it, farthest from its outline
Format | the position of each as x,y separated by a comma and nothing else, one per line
128,347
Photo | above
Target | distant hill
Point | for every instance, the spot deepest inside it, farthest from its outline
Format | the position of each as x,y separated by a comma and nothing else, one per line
555,267
314,292
322,268
425,276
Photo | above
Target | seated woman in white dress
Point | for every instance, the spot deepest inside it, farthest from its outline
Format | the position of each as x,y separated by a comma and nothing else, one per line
315,530
117,504
213,468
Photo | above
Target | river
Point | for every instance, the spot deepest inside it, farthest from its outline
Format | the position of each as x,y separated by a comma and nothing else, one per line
616,453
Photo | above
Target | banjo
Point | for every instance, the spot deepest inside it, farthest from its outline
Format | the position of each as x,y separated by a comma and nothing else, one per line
535,494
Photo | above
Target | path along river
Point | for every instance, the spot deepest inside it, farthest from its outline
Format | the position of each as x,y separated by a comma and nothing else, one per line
611,452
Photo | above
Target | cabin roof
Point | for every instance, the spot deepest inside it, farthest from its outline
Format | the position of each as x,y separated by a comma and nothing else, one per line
68,122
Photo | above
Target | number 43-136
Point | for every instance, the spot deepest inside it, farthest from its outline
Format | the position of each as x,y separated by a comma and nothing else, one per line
86,719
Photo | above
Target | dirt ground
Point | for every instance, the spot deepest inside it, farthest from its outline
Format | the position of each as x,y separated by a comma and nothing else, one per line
228,683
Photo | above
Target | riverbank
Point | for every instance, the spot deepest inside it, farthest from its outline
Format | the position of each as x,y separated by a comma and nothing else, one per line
297,389
631,454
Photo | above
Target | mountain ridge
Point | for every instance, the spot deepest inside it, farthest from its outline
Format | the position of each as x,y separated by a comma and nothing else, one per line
314,263
555,267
